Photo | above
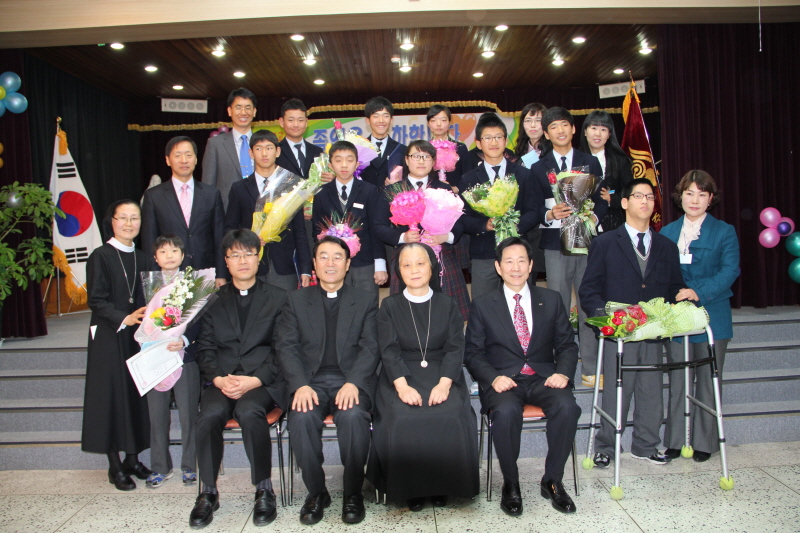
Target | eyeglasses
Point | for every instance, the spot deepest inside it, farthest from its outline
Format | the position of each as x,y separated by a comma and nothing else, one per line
529,121
247,108
237,257
639,196
496,138
336,259
421,157
125,220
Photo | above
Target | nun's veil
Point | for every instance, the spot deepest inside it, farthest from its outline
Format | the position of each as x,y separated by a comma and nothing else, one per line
435,281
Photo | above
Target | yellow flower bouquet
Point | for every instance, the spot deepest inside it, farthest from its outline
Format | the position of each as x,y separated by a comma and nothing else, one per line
497,202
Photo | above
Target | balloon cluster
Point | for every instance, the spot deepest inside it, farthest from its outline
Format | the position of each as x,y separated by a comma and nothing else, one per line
222,129
9,97
793,245
776,227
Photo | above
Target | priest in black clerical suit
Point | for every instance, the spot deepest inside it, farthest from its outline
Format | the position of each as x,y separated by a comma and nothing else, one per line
236,355
520,348
328,350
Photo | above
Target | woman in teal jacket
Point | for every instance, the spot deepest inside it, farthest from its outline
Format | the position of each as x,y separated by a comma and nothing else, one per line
709,252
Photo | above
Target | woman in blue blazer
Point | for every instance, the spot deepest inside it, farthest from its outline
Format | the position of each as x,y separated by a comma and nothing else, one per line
709,252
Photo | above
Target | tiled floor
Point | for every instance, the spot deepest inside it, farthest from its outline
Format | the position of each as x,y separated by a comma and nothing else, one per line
682,496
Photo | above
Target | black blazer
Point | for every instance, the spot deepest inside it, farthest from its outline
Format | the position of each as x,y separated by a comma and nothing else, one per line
301,337
363,205
389,233
288,157
613,273
464,165
481,244
242,203
493,349
379,168
202,240
551,237
223,346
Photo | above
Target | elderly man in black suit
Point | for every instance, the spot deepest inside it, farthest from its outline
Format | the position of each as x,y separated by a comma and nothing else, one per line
227,158
629,265
520,348
328,350
235,353
187,208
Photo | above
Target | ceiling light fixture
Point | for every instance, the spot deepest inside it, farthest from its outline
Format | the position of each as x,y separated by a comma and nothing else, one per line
151,68
319,82
645,50
239,74
619,71
117,46
487,53
405,68
310,61
478,75
558,62
579,40
297,37
218,53
407,46
178,87
395,59
501,27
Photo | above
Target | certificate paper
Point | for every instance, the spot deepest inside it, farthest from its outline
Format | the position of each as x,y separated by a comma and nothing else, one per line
154,363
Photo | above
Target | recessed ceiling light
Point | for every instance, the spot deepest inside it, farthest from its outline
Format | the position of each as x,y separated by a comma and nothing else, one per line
151,68
310,61
501,27
319,82
619,71
487,53
218,53
239,74
407,46
178,87
645,50
579,40
478,75
558,62
405,68
297,37
117,46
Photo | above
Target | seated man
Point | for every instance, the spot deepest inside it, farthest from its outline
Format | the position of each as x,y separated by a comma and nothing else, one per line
632,264
520,348
328,350
235,354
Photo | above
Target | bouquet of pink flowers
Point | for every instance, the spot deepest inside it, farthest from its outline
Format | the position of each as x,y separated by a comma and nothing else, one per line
344,228
407,205
442,210
446,158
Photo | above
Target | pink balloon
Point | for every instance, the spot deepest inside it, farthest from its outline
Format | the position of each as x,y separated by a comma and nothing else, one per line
788,221
769,238
226,129
214,133
769,217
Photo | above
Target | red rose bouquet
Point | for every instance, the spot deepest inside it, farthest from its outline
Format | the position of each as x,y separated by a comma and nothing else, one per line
406,204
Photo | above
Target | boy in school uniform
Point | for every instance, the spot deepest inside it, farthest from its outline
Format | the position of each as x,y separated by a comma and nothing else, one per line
379,115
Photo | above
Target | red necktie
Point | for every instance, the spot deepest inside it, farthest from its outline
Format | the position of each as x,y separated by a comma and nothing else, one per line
524,336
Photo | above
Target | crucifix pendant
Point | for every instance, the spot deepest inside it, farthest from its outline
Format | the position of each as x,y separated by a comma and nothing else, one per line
130,300
423,364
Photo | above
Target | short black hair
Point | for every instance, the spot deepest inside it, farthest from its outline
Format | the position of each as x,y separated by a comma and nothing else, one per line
241,92
168,238
176,141
241,238
627,190
334,240
512,241
379,103
263,135
435,109
556,113
107,228
422,146
293,103
489,120
340,146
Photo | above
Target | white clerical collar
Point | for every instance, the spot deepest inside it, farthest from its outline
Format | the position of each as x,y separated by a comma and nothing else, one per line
119,246
418,299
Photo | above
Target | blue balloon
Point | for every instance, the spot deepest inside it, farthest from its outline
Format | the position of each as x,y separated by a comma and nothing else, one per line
2,109
15,102
10,81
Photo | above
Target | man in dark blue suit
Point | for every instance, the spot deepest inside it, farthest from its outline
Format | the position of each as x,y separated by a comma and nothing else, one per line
278,261
565,272
632,264
491,136
379,113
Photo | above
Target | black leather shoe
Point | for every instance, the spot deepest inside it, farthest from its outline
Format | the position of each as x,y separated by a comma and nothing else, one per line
203,511
138,470
439,501
700,457
353,510
601,460
264,508
121,480
672,453
416,504
312,510
511,502
557,494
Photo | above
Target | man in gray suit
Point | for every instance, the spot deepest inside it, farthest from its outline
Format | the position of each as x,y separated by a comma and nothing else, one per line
227,156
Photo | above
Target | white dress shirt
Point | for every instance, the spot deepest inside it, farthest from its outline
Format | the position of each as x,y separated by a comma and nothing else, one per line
524,302
490,170
634,234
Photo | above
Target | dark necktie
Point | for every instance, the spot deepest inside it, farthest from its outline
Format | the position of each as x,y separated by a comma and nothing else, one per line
419,185
344,192
563,163
640,247
300,157
378,144
496,172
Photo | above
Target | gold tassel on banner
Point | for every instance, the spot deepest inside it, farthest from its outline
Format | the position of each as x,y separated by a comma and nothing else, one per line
76,293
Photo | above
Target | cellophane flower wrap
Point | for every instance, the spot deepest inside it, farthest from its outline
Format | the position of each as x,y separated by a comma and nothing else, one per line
174,302
442,210
497,202
575,188
649,320
406,204
344,228
446,158
367,151
285,195
321,163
